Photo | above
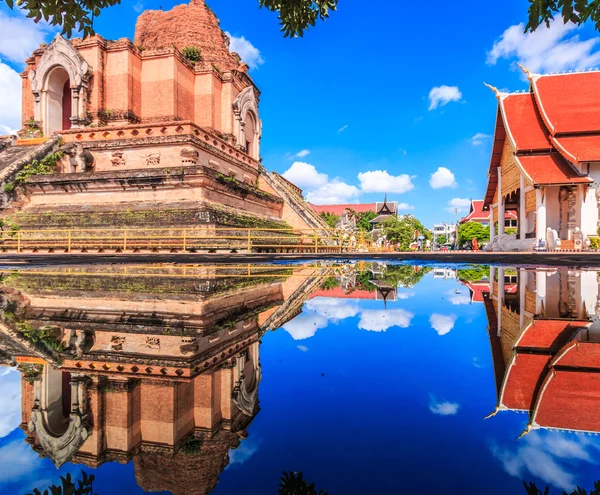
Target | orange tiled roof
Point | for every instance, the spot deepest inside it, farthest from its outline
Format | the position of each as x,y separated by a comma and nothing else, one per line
478,215
550,168
523,123
521,380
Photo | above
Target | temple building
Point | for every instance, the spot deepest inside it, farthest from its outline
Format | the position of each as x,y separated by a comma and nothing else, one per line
545,163
161,132
545,346
476,214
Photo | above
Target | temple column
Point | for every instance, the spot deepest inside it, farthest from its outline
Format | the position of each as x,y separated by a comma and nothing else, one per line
492,225
540,220
522,209
522,292
540,292
492,278
500,297
500,204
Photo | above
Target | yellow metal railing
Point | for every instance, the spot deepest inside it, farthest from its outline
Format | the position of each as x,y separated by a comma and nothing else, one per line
191,239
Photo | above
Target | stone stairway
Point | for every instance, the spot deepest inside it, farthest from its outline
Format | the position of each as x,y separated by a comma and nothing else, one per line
296,201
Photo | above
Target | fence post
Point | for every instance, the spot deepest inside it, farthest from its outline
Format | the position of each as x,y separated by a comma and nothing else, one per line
69,241
249,242
184,239
124,240
316,242
18,241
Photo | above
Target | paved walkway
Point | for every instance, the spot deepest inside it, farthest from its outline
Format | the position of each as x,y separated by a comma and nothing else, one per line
568,259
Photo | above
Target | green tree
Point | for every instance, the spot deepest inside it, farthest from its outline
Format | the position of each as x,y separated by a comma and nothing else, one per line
295,16
404,275
473,230
364,220
474,273
85,486
441,239
575,11
294,484
330,218
402,230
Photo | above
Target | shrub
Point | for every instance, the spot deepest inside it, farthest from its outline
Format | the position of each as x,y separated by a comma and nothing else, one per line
192,53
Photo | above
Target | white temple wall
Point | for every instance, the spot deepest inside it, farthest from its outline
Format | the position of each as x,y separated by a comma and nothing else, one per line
552,208
589,290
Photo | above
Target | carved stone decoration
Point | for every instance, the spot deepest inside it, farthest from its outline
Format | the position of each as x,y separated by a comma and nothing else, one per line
247,101
60,53
117,159
598,204
81,160
571,214
247,376
152,343
189,156
153,159
60,447
117,342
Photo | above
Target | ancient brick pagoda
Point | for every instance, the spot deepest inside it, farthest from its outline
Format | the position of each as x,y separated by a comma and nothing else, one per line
150,137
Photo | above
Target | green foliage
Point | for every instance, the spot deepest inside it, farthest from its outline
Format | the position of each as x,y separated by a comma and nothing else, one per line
364,220
532,489
594,243
402,230
294,484
9,187
404,275
473,230
330,218
44,167
363,281
44,335
295,16
84,486
192,53
508,230
575,11
330,283
474,273
72,15
441,239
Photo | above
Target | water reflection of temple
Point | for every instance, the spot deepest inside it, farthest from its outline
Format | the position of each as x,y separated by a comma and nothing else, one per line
155,365
544,335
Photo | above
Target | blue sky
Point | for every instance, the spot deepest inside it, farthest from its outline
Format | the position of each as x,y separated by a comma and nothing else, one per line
393,94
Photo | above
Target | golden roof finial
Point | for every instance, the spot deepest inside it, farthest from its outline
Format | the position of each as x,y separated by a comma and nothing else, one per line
493,414
527,430
526,71
494,89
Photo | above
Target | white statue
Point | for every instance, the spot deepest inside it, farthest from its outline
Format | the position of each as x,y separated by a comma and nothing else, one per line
552,239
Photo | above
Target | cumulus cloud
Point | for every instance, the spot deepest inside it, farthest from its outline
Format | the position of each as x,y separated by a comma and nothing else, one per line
334,192
244,452
305,175
318,313
458,298
553,457
405,207
19,461
479,138
461,204
550,49
442,95
303,153
379,320
332,308
305,325
138,6
21,36
303,348
442,324
246,50
442,177
443,408
10,391
10,100
380,181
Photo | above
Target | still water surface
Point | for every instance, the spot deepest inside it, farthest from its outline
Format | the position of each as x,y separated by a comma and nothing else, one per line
367,378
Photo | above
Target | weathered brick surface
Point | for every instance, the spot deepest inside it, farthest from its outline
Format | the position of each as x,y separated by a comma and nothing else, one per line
186,25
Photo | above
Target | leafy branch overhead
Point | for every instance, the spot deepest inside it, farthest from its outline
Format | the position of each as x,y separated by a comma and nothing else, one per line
295,16
575,11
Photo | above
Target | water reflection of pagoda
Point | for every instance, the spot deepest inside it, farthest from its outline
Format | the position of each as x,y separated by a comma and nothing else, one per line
544,338
156,365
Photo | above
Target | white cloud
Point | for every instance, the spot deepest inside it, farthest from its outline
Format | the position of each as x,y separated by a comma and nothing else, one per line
479,138
442,95
19,461
303,348
334,192
443,408
305,325
459,298
303,153
442,324
10,391
305,175
549,456
332,308
249,53
243,452
10,99
405,206
550,49
138,6
21,36
461,204
380,181
379,320
442,177
342,129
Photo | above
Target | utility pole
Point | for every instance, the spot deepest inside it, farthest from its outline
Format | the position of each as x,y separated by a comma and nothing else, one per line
456,230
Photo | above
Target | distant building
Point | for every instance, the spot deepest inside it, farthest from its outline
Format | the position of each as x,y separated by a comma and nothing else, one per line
448,230
476,214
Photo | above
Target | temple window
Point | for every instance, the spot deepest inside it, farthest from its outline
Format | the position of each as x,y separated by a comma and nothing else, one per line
58,101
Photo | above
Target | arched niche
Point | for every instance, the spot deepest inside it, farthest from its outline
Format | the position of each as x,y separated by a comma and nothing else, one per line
247,376
58,418
247,125
59,86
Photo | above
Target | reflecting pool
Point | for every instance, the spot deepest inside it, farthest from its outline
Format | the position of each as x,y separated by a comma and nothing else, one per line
364,377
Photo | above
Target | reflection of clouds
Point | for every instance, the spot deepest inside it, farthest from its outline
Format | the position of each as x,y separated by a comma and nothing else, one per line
10,391
543,454
442,324
443,408
303,348
333,309
458,299
244,452
18,461
379,320
404,295
305,325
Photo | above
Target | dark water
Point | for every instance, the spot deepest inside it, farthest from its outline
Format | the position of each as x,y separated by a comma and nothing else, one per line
366,378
